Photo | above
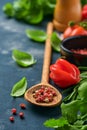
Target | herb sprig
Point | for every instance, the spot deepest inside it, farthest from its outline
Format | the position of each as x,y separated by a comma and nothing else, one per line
29,11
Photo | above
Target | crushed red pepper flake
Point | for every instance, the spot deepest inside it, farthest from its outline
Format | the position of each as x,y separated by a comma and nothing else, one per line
80,51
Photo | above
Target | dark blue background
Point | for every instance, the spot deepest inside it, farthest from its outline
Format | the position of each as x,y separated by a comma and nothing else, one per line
12,36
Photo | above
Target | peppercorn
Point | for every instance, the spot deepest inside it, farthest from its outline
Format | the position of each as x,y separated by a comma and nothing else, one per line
21,114
14,111
44,94
11,118
23,106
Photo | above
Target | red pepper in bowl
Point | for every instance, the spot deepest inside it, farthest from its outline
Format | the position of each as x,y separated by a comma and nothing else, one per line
64,74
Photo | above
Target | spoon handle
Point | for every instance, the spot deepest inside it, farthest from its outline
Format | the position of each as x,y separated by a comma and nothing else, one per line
47,54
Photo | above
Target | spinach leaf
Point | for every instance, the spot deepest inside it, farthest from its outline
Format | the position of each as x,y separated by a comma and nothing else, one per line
19,88
23,59
36,35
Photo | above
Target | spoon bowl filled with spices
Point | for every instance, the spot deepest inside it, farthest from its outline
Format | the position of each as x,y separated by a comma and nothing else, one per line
74,49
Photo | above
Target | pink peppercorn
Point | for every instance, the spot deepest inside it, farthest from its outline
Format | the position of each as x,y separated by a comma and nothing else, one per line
23,106
14,111
11,118
44,94
21,114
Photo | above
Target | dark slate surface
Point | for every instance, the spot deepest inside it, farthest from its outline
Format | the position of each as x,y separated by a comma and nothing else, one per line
12,36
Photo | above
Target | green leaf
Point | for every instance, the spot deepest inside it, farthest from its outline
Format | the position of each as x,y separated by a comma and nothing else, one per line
82,90
19,88
55,123
36,35
8,10
84,25
70,110
55,42
83,109
84,117
30,11
84,127
20,9
83,74
48,6
79,123
60,124
35,12
23,59
34,18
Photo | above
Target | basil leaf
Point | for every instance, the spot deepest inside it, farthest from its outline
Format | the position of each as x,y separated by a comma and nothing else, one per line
8,9
35,17
48,6
30,11
35,12
19,88
23,59
55,42
36,35
20,9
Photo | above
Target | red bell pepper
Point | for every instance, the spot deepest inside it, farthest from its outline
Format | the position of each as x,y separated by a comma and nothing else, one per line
64,74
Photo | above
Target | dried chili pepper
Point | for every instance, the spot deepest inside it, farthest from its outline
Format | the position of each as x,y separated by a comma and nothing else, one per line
64,74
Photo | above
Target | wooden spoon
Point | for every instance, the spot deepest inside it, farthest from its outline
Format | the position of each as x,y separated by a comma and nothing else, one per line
45,76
